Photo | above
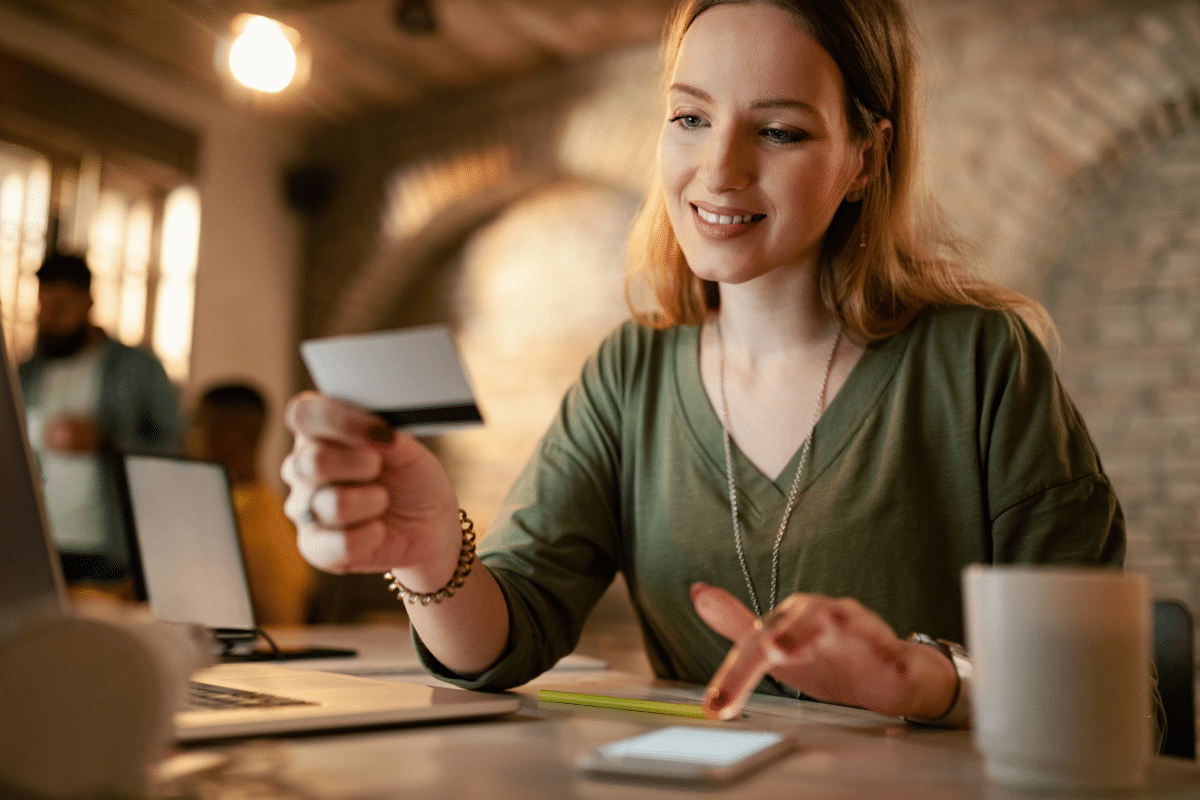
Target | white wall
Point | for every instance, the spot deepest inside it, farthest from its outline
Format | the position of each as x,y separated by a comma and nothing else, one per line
249,241
247,277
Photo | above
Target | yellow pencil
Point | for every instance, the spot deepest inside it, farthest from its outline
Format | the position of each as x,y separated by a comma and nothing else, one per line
621,703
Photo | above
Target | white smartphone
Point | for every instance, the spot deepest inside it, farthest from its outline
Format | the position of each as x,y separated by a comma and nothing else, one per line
686,754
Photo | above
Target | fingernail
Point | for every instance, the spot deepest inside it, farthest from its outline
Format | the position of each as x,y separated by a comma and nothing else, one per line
717,699
696,589
705,603
381,432
786,643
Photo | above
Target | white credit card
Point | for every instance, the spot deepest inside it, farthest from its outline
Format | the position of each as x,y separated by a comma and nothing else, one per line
412,377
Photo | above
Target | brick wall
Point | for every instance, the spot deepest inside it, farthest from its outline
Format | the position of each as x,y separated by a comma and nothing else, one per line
1061,134
1125,292
1034,107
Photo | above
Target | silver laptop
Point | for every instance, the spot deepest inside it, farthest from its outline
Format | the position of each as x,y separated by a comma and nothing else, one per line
186,554
31,586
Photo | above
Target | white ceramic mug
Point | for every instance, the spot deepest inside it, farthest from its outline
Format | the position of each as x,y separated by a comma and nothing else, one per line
1061,693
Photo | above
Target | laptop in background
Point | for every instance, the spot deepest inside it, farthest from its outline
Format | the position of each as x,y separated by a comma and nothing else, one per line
31,586
186,556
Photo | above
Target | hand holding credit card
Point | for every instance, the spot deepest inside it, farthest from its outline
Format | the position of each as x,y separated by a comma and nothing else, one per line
413,378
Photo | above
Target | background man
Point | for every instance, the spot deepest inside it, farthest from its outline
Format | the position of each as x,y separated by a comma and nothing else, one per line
88,396
227,428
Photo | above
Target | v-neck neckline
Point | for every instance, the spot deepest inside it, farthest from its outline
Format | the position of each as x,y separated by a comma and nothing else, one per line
841,418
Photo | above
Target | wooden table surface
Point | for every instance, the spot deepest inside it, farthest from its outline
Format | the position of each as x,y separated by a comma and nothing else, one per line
842,752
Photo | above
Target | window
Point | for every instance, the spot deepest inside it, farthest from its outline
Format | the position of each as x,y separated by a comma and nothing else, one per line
176,287
24,218
139,240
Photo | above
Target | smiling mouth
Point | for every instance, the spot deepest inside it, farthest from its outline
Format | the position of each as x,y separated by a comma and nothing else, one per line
721,219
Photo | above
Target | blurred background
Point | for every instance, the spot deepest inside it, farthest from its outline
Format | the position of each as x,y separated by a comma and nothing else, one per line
478,162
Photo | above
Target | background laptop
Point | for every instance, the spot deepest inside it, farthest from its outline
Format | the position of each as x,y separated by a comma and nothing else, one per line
186,556
31,586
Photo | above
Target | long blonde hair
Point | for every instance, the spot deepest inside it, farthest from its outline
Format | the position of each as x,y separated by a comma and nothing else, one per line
883,259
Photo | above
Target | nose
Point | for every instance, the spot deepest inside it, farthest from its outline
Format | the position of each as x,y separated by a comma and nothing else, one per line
728,161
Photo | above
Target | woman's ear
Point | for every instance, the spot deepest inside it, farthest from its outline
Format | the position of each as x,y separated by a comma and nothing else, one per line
874,150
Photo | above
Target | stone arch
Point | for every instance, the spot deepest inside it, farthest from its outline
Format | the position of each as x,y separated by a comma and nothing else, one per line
592,121
1039,108
529,295
391,289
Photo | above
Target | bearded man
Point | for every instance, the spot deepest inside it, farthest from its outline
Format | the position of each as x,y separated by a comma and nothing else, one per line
88,397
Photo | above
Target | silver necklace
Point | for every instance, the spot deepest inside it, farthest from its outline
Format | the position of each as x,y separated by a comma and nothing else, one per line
791,501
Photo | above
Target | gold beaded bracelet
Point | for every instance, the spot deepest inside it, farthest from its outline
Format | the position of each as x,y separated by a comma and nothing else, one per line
466,557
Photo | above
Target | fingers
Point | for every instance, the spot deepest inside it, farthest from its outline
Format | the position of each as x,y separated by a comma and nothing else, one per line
311,414
338,551
801,626
833,649
331,506
745,665
738,676
364,497
316,462
335,460
721,611
71,435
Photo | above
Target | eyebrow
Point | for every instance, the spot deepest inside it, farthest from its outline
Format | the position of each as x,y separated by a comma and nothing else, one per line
799,105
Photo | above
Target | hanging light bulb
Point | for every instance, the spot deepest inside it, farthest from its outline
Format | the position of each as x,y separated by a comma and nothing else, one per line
264,54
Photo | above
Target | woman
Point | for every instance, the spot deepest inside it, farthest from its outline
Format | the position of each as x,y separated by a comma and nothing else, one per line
825,408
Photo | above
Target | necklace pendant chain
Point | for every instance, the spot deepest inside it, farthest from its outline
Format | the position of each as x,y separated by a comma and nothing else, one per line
792,494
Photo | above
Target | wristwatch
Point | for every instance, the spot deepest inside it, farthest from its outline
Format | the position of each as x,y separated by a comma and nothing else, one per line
959,713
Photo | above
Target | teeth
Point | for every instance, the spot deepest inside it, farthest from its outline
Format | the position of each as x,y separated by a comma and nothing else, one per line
720,219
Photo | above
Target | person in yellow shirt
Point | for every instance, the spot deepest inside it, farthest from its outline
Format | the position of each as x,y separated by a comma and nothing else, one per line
227,428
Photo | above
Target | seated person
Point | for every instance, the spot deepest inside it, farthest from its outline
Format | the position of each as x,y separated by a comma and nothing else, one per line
227,429
794,456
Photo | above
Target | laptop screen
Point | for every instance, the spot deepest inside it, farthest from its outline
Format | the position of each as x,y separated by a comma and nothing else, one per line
30,575
187,541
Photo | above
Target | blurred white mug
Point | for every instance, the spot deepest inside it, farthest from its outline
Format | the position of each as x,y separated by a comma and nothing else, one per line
1061,692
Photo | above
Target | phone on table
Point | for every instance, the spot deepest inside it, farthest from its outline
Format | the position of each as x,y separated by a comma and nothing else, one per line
687,755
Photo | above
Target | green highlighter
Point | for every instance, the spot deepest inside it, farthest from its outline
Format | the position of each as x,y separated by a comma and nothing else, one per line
621,703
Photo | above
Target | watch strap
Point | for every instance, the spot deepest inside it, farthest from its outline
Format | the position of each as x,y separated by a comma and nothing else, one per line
958,715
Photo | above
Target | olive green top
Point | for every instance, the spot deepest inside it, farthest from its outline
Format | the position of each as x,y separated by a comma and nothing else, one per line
950,443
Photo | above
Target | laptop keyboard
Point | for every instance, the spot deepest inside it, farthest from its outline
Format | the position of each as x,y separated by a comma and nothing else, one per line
206,696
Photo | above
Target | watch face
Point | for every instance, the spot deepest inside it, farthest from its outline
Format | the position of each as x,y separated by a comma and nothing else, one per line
937,644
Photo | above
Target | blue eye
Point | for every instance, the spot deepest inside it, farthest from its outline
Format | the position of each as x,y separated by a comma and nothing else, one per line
688,121
781,136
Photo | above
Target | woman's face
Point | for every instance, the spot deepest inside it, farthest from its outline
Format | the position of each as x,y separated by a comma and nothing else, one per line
755,152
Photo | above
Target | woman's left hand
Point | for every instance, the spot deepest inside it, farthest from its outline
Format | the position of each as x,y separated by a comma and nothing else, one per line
835,650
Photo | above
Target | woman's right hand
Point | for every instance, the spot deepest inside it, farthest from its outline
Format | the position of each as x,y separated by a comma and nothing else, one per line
365,498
